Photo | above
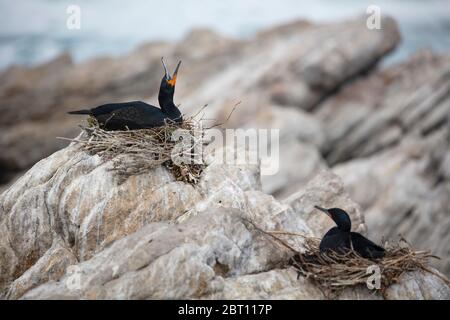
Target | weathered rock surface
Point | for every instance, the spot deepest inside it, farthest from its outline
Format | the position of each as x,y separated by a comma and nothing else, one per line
388,136
327,190
300,137
377,112
283,284
384,132
409,193
51,266
73,231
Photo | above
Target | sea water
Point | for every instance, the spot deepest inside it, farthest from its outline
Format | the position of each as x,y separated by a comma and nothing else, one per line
35,31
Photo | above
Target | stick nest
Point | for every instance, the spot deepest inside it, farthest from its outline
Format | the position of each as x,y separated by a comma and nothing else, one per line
333,272
135,152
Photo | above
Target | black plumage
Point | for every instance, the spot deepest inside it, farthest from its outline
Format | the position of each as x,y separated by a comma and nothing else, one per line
137,114
341,239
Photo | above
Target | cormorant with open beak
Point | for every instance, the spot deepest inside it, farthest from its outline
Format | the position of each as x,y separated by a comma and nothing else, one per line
341,239
137,114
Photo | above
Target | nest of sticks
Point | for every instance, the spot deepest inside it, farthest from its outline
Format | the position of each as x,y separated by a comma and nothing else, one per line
135,152
333,271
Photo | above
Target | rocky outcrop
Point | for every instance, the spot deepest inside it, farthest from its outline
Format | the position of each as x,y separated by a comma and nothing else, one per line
378,112
385,133
283,284
73,230
327,190
388,136
218,71
409,192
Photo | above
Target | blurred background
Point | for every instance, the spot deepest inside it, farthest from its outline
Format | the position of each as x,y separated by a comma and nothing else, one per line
372,105
32,32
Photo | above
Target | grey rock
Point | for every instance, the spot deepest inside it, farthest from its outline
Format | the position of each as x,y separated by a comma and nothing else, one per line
408,194
71,229
198,243
378,112
325,190
219,71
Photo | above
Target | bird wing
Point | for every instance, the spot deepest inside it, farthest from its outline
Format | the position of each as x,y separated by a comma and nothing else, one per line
121,108
134,115
364,246
356,237
335,240
136,112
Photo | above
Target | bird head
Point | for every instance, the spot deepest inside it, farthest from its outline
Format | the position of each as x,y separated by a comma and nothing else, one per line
168,81
339,216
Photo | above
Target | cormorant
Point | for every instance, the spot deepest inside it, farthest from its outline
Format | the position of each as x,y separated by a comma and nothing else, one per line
341,239
138,114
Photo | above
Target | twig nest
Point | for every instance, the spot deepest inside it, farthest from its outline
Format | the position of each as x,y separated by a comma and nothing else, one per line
333,271
134,152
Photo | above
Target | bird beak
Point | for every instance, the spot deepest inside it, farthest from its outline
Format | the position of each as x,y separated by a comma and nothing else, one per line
171,80
323,210
176,70
166,72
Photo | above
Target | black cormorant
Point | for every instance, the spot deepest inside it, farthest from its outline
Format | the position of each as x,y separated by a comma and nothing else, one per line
341,239
138,114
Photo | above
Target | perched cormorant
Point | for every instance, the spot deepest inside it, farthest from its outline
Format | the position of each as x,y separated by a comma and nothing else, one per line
138,114
341,239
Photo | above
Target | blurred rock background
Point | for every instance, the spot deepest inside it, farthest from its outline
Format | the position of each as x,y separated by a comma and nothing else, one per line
361,102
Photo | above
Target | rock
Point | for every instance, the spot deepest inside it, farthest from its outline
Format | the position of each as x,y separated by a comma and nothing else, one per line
418,286
410,187
171,261
71,195
71,229
298,163
51,266
276,65
216,70
375,113
20,151
283,284
273,284
325,190
293,124
387,137
300,137
75,197
324,68
20,87
76,232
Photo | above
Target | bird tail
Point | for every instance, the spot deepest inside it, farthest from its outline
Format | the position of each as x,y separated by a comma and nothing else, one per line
85,111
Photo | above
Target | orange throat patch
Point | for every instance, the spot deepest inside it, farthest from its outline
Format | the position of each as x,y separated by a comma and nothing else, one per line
172,81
